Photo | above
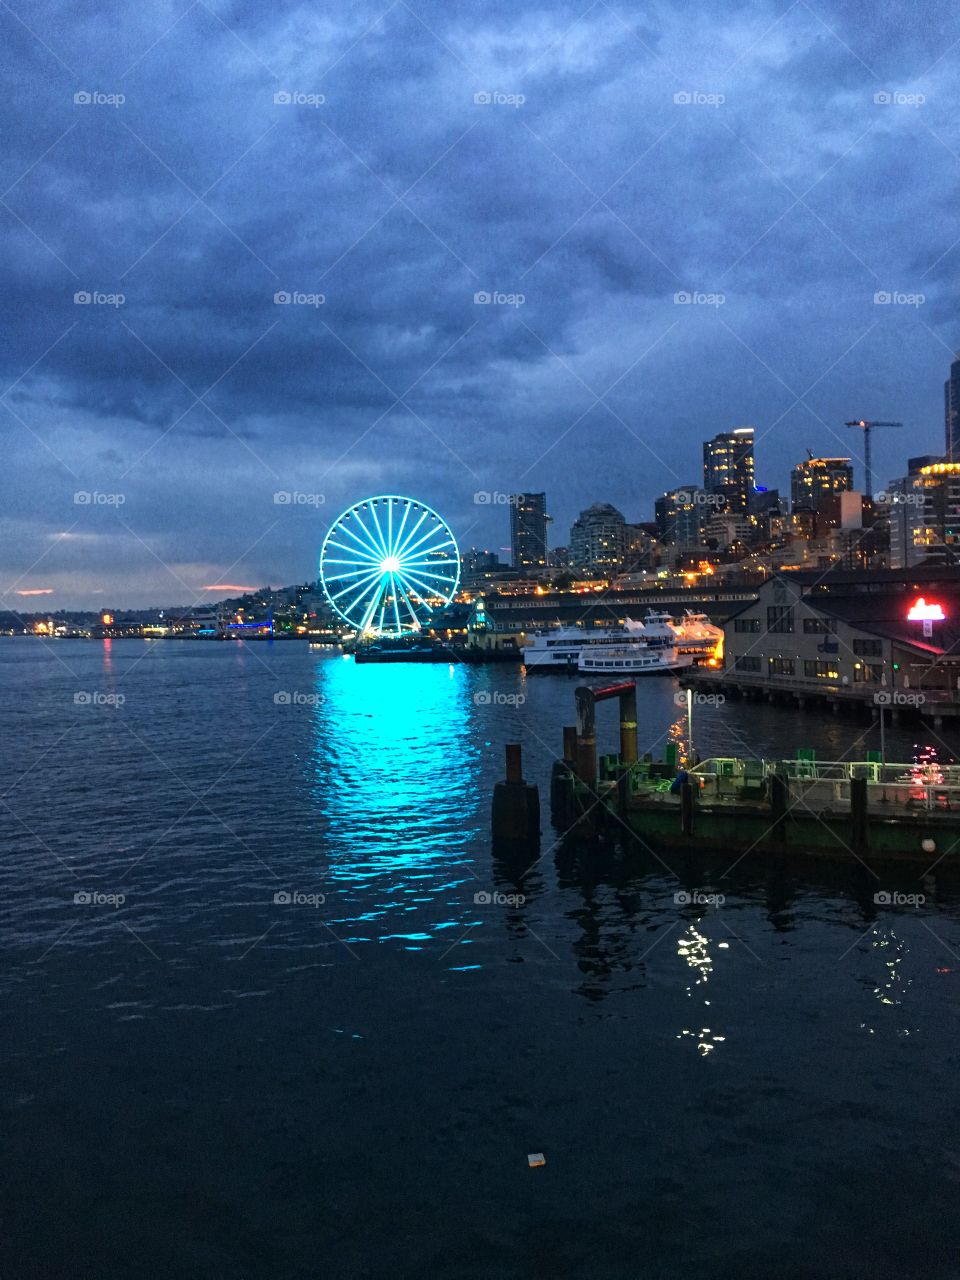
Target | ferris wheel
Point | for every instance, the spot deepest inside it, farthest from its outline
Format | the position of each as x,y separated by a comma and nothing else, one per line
387,563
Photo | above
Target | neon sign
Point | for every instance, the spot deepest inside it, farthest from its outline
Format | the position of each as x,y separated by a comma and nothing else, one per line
922,611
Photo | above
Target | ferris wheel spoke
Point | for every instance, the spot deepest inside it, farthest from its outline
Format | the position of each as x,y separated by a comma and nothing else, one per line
343,527
336,574
370,609
353,586
396,607
383,542
422,589
361,549
413,613
360,591
401,548
407,508
377,550
410,547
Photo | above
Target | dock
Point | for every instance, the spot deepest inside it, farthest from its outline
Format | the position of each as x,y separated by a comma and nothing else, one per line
845,809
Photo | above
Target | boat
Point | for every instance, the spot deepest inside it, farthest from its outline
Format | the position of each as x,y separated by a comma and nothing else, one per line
561,649
633,659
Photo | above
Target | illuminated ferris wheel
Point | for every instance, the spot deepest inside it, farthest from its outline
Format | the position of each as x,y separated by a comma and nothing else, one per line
387,563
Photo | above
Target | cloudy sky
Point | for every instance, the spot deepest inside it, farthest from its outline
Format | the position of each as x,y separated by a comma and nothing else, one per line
383,164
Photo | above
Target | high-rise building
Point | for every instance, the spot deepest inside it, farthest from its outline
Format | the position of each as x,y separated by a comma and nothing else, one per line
728,468
951,412
528,531
598,539
679,515
819,478
924,514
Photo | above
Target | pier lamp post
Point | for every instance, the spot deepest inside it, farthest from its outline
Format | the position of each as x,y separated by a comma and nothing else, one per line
689,725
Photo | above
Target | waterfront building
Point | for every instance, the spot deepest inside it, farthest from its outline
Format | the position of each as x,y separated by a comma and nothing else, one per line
847,634
819,478
728,468
598,540
528,531
679,515
951,412
924,514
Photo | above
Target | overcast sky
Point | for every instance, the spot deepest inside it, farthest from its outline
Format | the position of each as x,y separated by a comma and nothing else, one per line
779,163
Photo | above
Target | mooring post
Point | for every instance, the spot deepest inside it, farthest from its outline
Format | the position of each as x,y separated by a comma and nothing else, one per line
779,801
515,815
586,737
570,745
628,726
686,807
859,832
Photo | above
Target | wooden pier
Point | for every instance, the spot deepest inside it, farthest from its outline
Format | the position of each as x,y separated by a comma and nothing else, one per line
847,809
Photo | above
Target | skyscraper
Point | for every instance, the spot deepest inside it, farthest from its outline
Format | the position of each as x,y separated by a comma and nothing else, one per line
951,412
598,539
819,478
728,468
528,531
679,515
925,515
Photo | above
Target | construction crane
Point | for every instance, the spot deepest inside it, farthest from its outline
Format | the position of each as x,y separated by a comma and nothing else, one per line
867,429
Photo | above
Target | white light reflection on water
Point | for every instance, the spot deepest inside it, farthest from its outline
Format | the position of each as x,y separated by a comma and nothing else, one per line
694,948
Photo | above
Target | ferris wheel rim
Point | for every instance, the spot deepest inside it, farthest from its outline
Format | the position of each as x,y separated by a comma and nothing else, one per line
388,577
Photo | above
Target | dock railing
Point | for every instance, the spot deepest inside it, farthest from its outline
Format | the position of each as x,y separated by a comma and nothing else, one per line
823,786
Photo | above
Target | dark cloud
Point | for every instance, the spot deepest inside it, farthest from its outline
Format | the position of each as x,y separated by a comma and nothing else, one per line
783,185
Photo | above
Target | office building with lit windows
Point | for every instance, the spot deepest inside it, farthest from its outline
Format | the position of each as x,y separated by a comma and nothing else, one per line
728,468
528,531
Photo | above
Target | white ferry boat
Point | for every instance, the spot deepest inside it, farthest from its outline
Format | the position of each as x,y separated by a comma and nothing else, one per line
562,648
637,659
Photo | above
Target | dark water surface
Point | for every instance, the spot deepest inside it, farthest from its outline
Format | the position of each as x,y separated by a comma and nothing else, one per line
203,1081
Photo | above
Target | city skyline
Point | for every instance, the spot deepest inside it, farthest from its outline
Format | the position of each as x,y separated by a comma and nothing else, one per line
663,244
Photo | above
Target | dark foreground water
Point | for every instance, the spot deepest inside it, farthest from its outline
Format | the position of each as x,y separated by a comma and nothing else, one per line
258,1024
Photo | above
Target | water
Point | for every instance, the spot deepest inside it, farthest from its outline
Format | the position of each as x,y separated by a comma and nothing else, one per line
203,1081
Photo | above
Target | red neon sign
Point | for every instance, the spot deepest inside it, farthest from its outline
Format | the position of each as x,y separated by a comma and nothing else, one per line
922,611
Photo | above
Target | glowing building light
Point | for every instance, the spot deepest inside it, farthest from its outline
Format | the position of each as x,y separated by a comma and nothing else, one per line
924,611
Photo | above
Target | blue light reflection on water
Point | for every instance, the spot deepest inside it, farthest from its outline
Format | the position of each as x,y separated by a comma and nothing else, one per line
393,770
